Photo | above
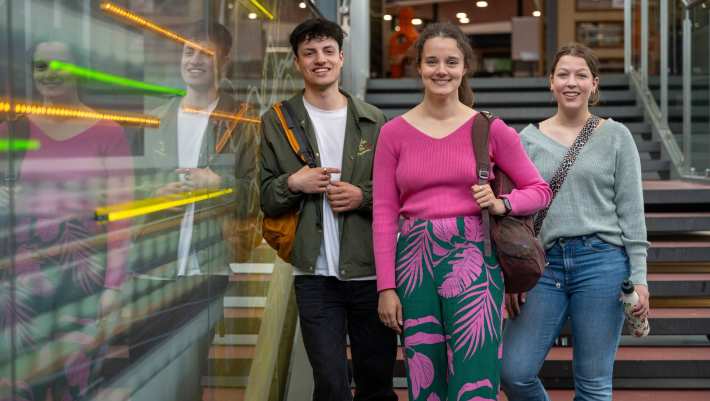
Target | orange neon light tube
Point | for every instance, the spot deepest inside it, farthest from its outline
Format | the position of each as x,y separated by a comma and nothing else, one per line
136,19
71,112
224,116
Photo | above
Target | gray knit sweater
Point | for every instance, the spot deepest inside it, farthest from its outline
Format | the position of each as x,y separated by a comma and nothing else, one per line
602,193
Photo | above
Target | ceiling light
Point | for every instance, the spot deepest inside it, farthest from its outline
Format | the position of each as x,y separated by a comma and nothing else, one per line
397,28
252,15
464,20
302,4
416,21
537,13
387,17
481,4
461,15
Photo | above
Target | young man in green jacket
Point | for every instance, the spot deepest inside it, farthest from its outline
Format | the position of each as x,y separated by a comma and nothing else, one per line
332,253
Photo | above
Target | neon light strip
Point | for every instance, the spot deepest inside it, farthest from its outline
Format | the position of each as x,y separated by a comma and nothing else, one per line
152,205
224,116
262,9
147,24
112,79
42,110
18,145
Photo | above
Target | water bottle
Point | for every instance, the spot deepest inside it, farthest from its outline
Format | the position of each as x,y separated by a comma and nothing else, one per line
639,325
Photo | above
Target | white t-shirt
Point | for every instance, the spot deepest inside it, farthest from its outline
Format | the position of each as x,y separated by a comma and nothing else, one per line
191,131
329,127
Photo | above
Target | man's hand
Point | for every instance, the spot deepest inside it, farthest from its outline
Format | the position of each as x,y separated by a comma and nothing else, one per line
311,180
513,303
171,189
344,196
390,310
199,178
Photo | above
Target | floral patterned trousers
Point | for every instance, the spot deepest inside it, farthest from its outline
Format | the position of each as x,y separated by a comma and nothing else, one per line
452,301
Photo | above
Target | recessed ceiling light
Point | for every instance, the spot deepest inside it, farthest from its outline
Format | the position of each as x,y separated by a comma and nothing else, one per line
481,4
537,13
252,15
301,4
416,21
387,17
461,15
464,20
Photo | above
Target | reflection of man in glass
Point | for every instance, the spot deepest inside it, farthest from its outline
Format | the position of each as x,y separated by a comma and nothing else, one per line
200,146
68,268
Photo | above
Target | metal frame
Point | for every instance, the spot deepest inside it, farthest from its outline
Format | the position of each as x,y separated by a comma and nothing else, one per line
628,29
644,41
664,59
687,95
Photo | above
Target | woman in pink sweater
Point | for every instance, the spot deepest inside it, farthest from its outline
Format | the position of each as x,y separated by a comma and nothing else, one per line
435,285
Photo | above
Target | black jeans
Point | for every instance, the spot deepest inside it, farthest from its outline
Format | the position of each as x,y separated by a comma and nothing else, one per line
328,310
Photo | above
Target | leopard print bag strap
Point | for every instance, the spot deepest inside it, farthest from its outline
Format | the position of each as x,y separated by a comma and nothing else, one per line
567,162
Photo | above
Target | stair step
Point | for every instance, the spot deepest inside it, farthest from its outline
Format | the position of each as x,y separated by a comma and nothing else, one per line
679,285
675,192
223,394
680,249
671,321
243,288
484,100
230,361
483,84
533,114
252,268
677,222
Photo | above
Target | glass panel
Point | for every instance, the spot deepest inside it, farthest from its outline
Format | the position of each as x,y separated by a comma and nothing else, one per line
654,49
636,34
700,107
131,260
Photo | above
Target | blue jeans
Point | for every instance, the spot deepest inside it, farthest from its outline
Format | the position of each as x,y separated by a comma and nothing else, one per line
582,283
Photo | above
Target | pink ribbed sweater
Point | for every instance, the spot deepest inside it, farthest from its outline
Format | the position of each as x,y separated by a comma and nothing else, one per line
417,176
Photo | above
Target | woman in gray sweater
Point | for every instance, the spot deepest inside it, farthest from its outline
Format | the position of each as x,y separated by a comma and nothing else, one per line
594,235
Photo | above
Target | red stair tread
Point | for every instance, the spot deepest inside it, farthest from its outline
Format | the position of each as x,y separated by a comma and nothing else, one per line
685,313
668,215
232,352
619,395
699,243
657,277
672,185
249,277
235,313
222,394
643,354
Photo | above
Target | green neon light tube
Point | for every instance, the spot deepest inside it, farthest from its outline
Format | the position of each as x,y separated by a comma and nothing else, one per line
18,145
113,79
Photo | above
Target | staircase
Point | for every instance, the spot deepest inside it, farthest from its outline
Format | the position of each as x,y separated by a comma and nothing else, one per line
673,363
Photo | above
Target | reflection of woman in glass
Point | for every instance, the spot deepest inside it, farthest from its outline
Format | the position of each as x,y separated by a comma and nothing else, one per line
68,267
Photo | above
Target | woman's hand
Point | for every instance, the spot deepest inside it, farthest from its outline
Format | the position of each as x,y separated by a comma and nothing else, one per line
484,196
390,310
642,306
513,303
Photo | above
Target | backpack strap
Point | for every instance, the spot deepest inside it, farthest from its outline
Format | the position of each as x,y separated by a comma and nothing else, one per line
295,136
479,137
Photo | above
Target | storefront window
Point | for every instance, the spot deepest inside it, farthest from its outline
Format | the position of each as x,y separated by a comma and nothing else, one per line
131,261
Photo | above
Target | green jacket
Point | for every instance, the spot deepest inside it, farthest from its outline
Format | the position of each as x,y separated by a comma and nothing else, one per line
278,162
